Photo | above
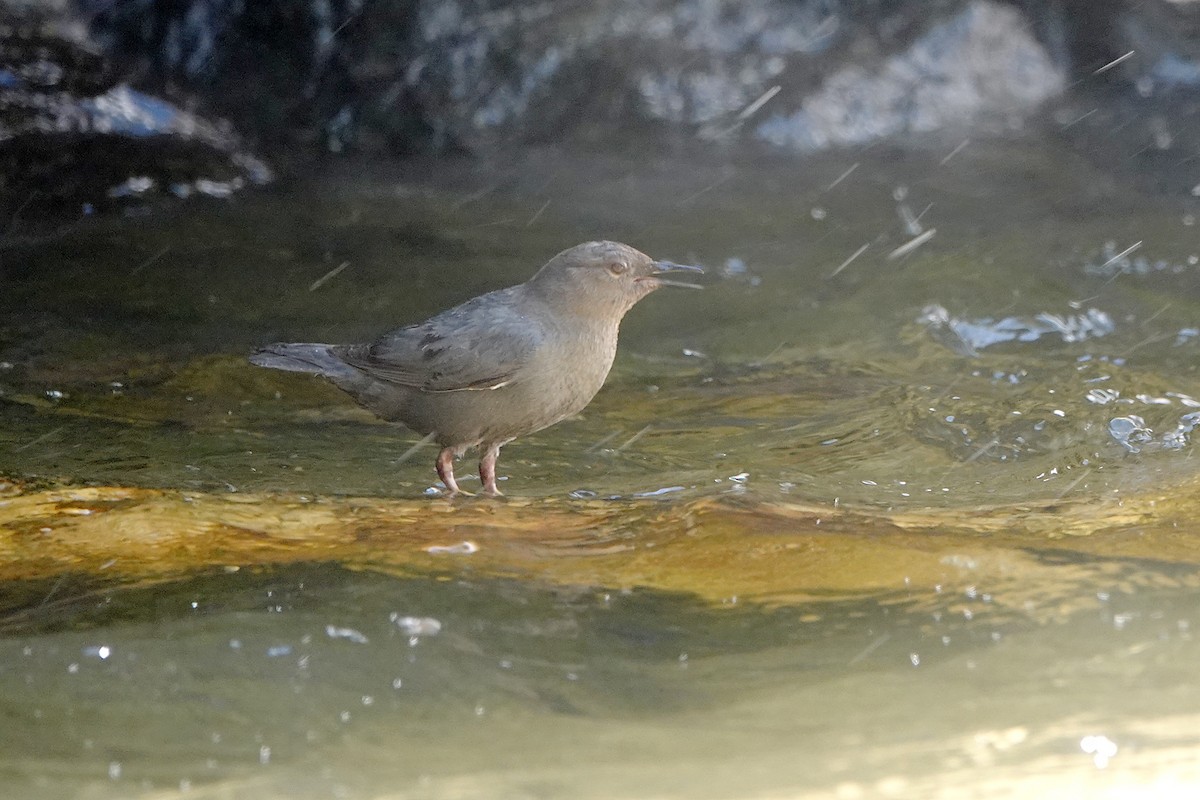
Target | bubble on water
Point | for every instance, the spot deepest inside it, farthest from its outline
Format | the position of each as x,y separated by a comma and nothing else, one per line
464,548
660,492
279,651
1152,400
1178,438
334,632
1102,396
967,336
416,626
1130,432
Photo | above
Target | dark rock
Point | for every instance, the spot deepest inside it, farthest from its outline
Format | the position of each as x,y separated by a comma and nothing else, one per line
73,139
478,75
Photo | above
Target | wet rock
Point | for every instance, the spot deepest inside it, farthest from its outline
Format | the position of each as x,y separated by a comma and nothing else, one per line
481,75
981,67
711,68
74,139
477,74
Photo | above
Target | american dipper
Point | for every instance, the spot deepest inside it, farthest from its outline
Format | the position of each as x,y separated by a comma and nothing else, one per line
502,365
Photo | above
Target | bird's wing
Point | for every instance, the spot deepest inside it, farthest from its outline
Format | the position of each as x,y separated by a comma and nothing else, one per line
479,345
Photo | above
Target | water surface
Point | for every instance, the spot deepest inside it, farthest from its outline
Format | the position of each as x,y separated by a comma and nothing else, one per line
901,505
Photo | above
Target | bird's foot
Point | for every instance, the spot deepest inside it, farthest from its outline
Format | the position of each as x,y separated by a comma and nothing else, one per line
487,471
445,471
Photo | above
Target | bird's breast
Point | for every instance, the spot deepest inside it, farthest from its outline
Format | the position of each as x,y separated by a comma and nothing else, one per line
569,369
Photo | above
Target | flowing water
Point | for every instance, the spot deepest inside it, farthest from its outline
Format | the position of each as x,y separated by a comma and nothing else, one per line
901,505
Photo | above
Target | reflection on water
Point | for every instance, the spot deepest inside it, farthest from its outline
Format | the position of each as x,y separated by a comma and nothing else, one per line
900,505
304,683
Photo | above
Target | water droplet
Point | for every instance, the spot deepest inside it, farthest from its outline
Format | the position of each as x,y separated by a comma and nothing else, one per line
1100,748
417,626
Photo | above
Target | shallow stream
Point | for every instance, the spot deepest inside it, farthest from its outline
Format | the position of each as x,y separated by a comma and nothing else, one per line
903,504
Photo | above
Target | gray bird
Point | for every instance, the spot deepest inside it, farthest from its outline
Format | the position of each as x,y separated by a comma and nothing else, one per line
502,365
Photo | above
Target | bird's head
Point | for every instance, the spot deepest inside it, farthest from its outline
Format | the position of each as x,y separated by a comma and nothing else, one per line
604,278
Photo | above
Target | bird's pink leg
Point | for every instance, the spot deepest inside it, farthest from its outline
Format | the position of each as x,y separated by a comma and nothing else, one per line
445,470
487,470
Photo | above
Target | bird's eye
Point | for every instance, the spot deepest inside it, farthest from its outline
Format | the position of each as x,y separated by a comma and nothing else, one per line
617,267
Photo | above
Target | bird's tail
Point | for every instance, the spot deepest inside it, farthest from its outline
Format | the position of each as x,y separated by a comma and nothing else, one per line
317,359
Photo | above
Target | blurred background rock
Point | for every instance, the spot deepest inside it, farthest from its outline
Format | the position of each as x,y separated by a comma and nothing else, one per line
106,100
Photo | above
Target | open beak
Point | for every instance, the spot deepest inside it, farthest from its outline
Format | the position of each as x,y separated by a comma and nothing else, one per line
667,266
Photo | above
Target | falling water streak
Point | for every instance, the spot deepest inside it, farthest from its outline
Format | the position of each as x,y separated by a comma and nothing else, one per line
493,223
39,439
412,450
762,100
951,386
1075,482
847,262
12,223
871,648
150,260
1121,255
1155,315
759,362
538,213
909,246
345,22
843,176
1114,62
328,276
629,442
954,152
1079,119
479,195
1148,340
603,441
911,226
58,583
981,451
708,188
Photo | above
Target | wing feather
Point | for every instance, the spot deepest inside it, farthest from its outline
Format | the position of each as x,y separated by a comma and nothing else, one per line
478,346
